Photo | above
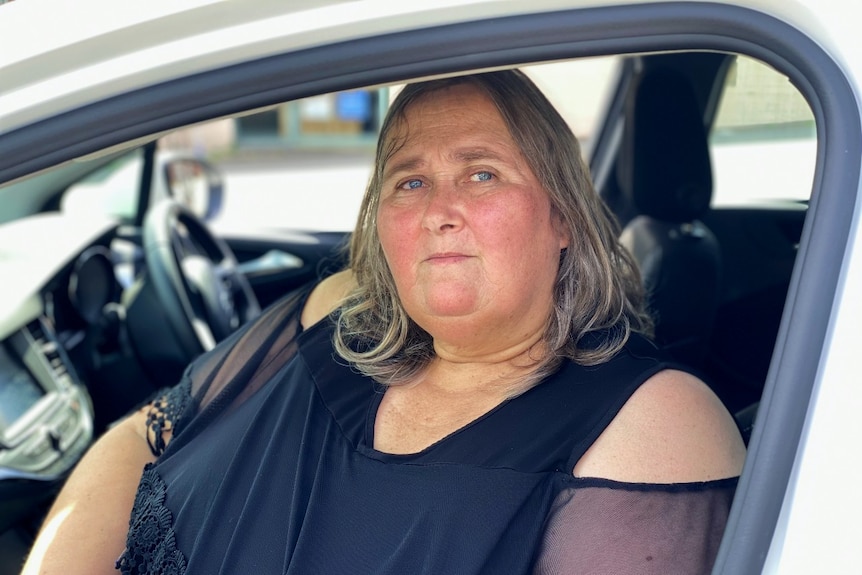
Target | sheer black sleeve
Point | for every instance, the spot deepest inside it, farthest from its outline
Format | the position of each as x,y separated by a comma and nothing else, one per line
607,527
228,374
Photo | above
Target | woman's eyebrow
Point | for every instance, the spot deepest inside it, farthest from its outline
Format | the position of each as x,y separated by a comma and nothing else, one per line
476,154
406,165
463,155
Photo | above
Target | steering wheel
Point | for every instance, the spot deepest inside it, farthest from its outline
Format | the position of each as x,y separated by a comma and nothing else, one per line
195,277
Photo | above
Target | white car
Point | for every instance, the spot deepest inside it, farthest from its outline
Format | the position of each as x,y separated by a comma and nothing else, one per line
730,126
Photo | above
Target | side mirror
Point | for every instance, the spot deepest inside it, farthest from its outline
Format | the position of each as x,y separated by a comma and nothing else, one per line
196,184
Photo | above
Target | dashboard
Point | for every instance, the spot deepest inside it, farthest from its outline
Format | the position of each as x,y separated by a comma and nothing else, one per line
65,370
46,419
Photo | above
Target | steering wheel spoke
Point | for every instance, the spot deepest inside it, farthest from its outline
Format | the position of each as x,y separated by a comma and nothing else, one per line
204,334
196,278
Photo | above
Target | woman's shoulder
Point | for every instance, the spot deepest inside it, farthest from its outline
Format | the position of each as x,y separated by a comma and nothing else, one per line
326,296
672,429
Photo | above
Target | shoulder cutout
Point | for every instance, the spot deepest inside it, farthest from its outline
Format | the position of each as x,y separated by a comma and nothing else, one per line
326,297
673,429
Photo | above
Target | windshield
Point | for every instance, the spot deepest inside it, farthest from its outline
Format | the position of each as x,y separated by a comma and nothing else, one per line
111,190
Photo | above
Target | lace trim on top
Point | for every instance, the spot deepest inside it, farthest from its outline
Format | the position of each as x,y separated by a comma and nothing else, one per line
151,544
163,414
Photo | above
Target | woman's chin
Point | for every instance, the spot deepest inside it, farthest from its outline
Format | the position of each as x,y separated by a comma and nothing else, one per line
451,309
454,299
444,309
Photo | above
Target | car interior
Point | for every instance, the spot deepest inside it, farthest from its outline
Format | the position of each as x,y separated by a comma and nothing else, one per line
717,277
124,301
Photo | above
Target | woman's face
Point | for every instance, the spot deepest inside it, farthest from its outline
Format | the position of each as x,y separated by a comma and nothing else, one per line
466,228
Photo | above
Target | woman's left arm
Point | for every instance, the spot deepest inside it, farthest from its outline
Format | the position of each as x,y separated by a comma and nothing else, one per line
673,429
654,491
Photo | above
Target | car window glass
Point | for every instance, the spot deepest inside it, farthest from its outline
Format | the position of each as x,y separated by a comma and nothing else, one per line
763,138
305,164
579,90
111,190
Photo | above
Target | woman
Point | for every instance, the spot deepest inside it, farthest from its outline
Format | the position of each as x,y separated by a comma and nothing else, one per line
473,395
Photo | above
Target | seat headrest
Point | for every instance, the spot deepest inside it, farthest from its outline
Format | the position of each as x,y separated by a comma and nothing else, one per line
664,164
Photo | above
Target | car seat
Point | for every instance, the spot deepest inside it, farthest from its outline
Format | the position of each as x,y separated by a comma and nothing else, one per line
664,172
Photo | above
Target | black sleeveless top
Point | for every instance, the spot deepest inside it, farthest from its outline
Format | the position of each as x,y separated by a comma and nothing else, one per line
272,469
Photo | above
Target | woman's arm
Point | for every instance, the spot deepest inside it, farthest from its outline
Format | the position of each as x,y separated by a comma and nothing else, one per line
672,430
665,470
326,297
86,528
85,531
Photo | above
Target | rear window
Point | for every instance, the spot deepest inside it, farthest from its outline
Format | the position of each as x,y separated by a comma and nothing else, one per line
763,139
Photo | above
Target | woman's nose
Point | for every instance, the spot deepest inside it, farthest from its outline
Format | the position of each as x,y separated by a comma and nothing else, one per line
444,209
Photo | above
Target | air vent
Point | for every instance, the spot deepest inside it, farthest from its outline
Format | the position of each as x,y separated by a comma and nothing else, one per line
48,346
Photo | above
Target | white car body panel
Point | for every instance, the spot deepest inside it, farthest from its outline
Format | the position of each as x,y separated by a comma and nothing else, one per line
817,531
226,33
218,41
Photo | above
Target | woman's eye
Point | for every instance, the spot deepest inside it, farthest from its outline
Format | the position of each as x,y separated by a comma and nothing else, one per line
482,176
410,185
